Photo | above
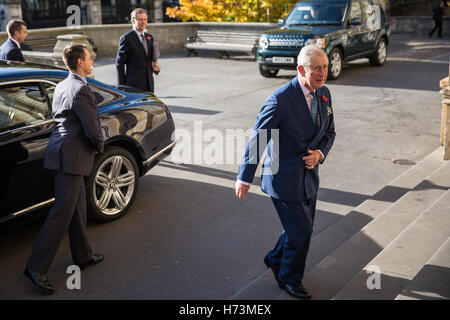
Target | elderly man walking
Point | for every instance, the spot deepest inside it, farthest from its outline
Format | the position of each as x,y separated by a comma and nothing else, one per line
301,114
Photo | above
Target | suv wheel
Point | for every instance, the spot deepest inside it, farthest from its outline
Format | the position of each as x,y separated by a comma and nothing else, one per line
112,185
379,55
267,73
335,64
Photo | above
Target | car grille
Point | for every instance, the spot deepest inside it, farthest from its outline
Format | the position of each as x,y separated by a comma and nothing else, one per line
286,41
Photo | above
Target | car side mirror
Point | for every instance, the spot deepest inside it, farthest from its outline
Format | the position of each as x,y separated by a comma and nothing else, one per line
280,22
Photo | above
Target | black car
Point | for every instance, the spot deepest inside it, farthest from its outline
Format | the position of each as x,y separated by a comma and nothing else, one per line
345,29
137,128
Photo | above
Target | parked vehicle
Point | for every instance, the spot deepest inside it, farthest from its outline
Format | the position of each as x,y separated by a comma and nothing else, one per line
137,128
345,29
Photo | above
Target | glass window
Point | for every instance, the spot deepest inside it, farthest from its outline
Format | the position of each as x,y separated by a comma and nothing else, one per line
320,13
102,97
355,13
21,105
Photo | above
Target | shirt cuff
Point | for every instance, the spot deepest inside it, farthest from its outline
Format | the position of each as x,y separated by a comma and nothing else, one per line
243,182
323,158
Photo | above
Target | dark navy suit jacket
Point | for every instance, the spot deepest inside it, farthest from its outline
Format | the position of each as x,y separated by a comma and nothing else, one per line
10,51
131,53
284,174
77,135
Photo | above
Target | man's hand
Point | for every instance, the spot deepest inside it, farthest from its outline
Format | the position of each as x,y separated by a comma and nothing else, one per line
312,159
241,189
156,67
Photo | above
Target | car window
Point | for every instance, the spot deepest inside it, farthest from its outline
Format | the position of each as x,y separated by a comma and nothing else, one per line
102,96
22,104
355,16
372,14
319,13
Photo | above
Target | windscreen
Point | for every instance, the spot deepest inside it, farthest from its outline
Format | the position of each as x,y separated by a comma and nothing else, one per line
317,13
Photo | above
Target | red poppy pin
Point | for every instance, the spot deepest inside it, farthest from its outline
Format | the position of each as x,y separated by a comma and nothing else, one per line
148,38
325,99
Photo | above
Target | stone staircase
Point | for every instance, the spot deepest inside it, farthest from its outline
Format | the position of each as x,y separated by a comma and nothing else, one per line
397,243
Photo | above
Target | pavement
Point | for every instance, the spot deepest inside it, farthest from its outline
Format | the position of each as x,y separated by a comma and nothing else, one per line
187,236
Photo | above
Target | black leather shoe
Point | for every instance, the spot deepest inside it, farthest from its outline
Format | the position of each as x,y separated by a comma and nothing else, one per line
299,292
39,280
271,266
96,259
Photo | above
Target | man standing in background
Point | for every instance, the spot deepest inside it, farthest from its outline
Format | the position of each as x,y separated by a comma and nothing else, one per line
10,50
136,54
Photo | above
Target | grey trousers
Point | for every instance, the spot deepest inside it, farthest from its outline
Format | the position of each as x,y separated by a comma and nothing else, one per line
67,214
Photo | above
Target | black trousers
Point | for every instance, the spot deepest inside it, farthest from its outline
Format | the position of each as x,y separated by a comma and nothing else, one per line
67,214
437,25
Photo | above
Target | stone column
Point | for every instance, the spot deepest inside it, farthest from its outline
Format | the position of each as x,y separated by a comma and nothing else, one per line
445,118
158,11
9,9
68,39
94,11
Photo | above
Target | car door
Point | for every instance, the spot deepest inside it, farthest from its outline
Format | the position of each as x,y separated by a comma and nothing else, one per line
355,29
25,127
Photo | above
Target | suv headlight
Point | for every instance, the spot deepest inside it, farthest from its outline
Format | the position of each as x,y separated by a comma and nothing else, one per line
263,42
320,42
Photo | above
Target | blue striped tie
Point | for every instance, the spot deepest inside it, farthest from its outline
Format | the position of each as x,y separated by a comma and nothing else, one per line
314,108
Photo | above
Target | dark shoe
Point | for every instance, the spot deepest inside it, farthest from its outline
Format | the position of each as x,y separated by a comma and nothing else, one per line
299,292
271,266
96,259
39,280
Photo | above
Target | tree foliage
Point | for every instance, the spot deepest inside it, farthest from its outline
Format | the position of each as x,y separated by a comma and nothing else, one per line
231,10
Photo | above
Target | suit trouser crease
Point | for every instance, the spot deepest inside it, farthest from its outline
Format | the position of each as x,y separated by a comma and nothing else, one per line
67,214
291,250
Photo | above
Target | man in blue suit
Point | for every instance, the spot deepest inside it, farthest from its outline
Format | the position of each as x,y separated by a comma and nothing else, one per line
10,49
136,52
76,139
297,123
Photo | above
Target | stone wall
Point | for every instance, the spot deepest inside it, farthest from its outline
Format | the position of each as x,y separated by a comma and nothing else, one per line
172,36
418,25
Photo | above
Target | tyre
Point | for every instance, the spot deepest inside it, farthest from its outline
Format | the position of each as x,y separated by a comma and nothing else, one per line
379,55
334,64
112,185
267,73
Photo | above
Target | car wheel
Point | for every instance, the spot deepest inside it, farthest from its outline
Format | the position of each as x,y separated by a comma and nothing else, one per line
334,64
267,73
112,185
379,56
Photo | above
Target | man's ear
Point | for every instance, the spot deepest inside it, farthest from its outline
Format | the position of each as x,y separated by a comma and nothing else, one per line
301,70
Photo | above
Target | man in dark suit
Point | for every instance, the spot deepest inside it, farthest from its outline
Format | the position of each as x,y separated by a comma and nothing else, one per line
438,13
136,52
73,144
10,49
297,123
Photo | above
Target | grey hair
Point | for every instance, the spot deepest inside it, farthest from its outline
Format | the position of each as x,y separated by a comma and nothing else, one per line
304,57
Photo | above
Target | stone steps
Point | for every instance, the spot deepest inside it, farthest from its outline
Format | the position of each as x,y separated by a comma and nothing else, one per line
405,256
342,250
328,277
433,280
